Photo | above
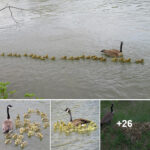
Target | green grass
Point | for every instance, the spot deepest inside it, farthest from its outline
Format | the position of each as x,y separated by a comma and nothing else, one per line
113,137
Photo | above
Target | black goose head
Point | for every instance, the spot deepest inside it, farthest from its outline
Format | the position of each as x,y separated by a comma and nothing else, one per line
68,110
9,106
8,115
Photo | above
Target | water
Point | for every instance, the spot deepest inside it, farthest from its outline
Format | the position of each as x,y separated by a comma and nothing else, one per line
80,109
21,107
72,28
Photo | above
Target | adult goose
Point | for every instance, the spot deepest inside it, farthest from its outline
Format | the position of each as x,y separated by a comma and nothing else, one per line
114,52
108,116
76,122
7,124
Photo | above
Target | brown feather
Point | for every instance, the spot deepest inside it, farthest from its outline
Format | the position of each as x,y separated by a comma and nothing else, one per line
79,121
7,126
112,53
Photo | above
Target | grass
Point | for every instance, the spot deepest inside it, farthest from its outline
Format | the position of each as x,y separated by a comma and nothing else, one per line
117,138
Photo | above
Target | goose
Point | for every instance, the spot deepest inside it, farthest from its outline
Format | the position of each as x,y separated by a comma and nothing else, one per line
108,117
113,52
7,124
76,122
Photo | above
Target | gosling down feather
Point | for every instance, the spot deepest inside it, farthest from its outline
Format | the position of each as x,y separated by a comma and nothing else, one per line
108,117
113,52
76,122
7,124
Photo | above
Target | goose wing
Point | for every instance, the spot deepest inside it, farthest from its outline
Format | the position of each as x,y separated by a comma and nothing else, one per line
7,126
111,53
76,122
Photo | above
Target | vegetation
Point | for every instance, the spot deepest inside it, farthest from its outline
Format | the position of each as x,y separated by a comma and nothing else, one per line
118,138
5,94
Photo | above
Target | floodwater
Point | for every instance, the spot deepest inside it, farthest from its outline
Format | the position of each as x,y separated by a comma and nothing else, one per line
72,28
21,107
79,109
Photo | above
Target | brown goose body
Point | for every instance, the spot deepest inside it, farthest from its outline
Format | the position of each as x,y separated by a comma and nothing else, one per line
113,52
77,122
7,124
108,117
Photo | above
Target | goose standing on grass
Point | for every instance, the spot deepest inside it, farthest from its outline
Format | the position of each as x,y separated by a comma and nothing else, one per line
76,122
108,117
7,124
114,52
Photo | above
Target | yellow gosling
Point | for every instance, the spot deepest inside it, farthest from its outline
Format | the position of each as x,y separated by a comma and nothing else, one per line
23,144
45,120
18,117
10,54
3,54
46,56
76,58
8,136
30,133
121,59
71,58
88,57
25,54
39,135
18,142
18,123
139,61
82,57
31,55
27,129
43,115
20,137
64,58
114,59
30,111
42,58
38,112
46,125
53,58
128,60
8,141
18,55
15,136
26,115
22,130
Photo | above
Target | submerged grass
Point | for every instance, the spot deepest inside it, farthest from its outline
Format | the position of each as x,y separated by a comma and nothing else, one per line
118,138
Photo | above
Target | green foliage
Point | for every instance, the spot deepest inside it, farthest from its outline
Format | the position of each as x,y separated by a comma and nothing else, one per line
4,93
29,95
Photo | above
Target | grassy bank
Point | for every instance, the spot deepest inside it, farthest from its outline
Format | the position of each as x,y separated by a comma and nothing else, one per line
118,138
